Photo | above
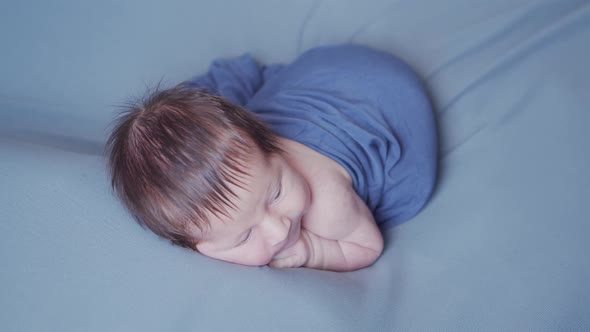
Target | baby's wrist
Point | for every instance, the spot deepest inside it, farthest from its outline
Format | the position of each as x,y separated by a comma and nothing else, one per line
309,239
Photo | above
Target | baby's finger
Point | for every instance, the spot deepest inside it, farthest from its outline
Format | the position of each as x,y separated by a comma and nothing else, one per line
279,263
283,263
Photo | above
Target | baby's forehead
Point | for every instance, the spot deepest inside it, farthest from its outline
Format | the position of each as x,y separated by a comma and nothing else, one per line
247,191
238,186
252,182
253,165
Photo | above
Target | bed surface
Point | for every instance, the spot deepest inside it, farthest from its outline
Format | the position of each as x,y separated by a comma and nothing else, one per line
502,246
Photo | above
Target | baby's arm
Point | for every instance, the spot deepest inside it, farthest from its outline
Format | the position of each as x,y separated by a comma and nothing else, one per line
356,251
360,249
345,238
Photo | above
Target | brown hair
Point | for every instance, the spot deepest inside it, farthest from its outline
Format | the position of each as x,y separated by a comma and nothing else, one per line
173,154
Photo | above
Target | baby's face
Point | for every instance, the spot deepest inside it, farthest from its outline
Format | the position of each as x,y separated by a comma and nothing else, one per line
268,216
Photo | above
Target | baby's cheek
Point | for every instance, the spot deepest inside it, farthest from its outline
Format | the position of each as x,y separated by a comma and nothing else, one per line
243,256
304,195
259,259
256,256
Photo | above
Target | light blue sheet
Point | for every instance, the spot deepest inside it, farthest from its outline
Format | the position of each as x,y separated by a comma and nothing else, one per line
502,245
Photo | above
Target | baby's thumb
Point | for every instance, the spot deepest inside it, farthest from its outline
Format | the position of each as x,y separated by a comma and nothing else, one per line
286,262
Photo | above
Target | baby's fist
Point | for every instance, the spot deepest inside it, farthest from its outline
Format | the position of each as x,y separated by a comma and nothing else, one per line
296,255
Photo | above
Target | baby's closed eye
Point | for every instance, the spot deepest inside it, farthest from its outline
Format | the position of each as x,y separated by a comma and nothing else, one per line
245,238
279,191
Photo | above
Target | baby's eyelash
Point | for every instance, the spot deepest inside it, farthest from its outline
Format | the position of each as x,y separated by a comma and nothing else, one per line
279,191
246,238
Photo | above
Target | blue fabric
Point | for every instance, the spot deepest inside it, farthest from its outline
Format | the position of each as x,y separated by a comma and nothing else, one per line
363,108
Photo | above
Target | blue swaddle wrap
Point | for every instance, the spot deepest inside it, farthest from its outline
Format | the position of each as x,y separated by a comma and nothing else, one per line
363,108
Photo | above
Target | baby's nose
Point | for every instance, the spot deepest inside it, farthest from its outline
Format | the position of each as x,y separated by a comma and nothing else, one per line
278,230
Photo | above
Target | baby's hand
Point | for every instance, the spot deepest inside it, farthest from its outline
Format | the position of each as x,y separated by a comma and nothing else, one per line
295,256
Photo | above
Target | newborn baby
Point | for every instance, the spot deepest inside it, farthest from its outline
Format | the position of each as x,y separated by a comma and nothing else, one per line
291,166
